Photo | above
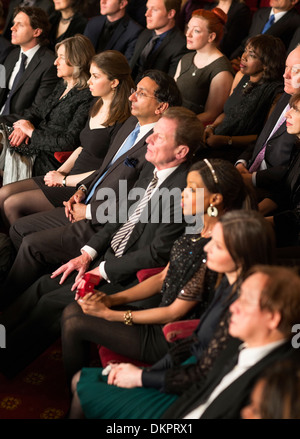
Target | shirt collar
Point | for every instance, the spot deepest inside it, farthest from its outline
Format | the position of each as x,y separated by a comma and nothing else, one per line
30,53
277,16
250,356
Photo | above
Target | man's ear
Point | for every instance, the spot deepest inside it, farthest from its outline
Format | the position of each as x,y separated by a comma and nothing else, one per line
37,32
161,108
182,151
123,4
171,14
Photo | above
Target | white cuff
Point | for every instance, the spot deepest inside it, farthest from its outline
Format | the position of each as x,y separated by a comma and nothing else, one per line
103,272
254,178
88,212
90,251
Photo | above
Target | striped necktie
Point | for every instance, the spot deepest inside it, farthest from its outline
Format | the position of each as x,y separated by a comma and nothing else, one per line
120,239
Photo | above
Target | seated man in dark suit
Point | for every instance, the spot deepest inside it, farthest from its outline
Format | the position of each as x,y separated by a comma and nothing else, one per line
58,235
113,29
144,240
281,19
162,44
30,71
265,164
262,318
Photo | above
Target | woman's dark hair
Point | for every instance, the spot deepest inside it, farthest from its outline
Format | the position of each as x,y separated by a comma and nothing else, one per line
78,53
272,53
115,66
230,183
167,90
249,238
216,20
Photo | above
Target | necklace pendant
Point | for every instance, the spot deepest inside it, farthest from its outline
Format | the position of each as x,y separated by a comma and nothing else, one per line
194,74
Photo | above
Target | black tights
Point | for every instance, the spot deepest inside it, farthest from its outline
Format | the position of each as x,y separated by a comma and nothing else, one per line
22,198
79,329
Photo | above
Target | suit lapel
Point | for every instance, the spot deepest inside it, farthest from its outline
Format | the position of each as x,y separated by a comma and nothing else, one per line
29,69
271,123
11,64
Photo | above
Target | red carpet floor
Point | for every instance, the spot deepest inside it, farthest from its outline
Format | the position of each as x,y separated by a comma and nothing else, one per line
39,392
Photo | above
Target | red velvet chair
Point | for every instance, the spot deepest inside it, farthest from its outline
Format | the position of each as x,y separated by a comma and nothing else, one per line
62,156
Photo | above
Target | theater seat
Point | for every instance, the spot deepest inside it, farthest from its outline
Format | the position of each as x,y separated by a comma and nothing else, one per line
62,156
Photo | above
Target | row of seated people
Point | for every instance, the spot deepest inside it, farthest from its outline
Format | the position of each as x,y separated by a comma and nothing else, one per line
138,100
246,229
262,314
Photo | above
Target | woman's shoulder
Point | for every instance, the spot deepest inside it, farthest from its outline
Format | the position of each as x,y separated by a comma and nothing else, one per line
187,59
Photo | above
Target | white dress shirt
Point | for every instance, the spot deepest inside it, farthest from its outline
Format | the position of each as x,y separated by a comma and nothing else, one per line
248,357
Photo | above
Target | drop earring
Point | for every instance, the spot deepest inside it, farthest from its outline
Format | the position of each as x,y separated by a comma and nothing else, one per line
212,211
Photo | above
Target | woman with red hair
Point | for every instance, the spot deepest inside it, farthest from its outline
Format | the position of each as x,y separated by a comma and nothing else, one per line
204,76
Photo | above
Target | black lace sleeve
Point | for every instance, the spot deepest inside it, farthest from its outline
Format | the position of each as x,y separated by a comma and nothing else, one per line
179,378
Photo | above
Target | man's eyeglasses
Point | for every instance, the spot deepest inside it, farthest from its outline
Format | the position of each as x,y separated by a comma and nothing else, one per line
140,94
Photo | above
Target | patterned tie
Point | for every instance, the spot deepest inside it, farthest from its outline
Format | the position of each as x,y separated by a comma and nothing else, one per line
261,155
148,49
127,145
6,109
268,24
120,239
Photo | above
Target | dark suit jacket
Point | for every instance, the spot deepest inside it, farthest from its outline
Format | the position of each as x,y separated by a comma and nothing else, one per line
295,40
119,170
278,150
229,402
150,242
283,28
123,39
46,5
37,82
165,58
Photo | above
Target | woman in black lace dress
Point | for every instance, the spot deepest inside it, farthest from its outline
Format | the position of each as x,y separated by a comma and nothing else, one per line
185,286
239,240
110,83
255,88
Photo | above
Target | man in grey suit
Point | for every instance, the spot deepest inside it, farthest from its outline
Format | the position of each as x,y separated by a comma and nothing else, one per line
162,44
30,72
57,236
113,29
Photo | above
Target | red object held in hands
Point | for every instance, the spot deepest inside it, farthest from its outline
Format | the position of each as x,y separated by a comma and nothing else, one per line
89,281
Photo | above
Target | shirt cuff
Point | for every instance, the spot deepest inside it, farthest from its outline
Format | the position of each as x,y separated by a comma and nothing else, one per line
103,272
90,251
88,212
243,162
254,178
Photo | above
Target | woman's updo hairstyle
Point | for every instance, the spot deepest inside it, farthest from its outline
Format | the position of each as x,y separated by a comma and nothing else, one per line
216,20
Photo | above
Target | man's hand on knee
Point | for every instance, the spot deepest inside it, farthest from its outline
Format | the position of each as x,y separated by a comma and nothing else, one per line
80,264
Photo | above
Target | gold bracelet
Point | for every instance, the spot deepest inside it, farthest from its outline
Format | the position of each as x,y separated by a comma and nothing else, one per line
128,319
